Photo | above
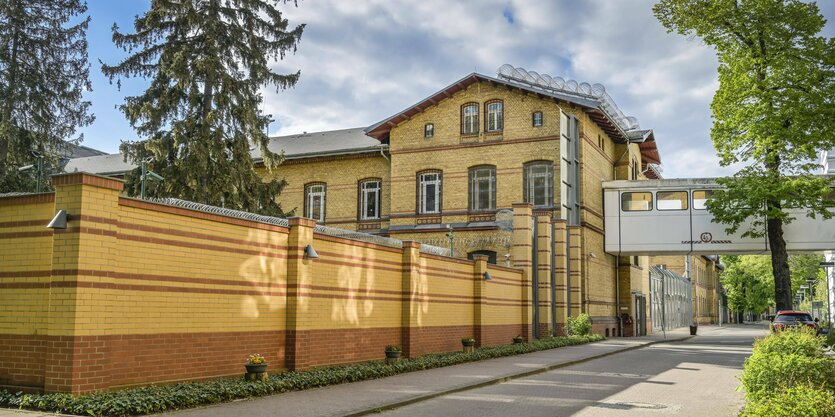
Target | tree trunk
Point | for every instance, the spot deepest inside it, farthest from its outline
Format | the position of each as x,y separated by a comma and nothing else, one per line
780,265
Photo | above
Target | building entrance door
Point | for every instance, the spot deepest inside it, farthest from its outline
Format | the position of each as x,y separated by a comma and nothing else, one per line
640,315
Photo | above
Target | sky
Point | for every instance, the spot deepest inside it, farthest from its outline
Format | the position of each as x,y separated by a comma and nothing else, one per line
362,61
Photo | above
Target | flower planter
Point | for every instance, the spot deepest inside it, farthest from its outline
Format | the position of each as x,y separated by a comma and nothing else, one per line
256,372
469,345
392,356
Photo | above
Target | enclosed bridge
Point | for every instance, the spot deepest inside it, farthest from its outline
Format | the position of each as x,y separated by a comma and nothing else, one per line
669,217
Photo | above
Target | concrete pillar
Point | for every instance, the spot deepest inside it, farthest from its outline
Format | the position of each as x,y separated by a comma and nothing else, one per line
544,272
83,255
409,284
521,254
299,278
479,309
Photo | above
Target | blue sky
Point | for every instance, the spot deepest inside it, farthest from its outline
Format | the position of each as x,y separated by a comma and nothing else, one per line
362,61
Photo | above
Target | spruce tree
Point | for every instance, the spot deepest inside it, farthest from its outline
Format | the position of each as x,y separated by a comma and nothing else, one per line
43,73
197,121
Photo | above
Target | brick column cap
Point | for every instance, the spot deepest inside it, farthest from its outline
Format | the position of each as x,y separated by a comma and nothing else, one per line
411,244
301,221
86,178
484,258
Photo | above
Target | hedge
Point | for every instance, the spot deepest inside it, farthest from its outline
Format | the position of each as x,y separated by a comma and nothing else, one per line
788,375
155,399
794,402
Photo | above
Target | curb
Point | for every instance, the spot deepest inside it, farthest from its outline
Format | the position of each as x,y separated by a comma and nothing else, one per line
505,378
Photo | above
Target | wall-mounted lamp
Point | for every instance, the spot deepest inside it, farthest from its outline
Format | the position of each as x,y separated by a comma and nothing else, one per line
310,253
486,276
59,221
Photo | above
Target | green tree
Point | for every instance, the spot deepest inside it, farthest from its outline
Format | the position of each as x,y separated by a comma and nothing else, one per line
773,112
43,73
748,279
199,118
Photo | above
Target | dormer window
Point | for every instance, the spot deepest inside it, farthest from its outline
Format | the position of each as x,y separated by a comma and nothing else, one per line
429,130
469,119
495,116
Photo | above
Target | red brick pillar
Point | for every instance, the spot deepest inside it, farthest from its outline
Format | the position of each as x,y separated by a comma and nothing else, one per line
409,288
299,277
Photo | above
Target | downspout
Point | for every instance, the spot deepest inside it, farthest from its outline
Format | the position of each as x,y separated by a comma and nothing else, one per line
382,152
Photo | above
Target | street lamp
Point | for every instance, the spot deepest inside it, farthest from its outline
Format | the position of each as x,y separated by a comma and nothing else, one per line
828,267
451,238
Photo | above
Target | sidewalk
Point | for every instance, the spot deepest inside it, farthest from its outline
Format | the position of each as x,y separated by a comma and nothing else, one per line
367,397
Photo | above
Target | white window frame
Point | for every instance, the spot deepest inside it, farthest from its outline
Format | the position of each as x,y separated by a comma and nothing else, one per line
425,180
469,119
370,189
530,176
310,197
495,116
537,122
429,130
478,173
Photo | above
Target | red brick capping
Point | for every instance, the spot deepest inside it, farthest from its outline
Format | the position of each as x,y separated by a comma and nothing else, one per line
12,200
302,221
86,178
410,244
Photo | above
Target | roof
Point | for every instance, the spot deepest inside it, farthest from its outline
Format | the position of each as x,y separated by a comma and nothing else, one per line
592,106
80,151
305,145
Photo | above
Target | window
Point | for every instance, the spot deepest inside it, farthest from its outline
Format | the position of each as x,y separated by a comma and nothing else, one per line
495,116
601,142
700,198
633,174
539,183
314,202
469,119
536,119
370,199
640,201
491,255
429,192
671,200
429,130
482,188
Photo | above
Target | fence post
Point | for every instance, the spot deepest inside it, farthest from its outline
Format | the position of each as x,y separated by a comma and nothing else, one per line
299,277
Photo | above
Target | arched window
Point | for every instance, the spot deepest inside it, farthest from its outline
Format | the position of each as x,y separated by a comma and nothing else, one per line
429,192
494,109
314,201
469,119
539,183
491,255
370,198
482,188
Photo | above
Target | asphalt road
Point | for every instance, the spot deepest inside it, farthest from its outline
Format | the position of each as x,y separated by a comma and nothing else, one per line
697,377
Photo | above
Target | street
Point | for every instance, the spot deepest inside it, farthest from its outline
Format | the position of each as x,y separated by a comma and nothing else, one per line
697,377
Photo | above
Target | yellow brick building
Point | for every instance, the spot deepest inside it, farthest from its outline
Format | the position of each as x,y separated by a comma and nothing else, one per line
456,162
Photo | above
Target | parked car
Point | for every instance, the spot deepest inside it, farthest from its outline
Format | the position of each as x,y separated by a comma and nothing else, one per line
786,319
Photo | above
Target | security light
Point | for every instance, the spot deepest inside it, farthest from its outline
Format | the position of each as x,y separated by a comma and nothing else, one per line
59,221
486,276
310,253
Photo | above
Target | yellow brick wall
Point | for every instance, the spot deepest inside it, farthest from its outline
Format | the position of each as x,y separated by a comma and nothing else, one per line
25,265
342,176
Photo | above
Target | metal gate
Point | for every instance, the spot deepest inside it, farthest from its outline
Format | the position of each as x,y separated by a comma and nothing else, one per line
640,315
670,299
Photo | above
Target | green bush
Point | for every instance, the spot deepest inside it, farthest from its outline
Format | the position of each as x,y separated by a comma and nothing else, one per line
794,402
580,325
793,341
767,374
156,399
